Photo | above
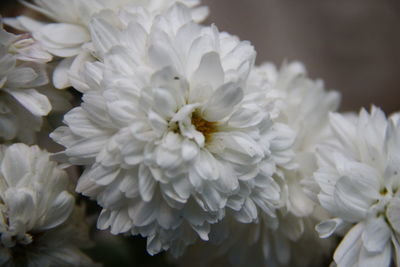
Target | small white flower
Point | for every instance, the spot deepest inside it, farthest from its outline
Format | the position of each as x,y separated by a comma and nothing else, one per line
39,222
359,181
22,106
68,32
170,133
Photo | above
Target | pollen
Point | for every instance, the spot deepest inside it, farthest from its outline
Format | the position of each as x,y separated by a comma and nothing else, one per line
207,128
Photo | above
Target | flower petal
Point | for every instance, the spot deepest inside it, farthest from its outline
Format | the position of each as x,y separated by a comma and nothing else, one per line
373,259
59,211
326,228
376,235
60,74
347,252
164,102
36,103
16,164
209,71
350,204
147,184
205,166
104,36
222,102
189,150
21,203
393,214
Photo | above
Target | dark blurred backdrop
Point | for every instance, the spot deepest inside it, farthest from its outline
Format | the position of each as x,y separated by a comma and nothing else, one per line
354,45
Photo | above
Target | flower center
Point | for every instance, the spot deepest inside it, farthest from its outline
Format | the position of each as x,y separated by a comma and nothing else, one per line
207,128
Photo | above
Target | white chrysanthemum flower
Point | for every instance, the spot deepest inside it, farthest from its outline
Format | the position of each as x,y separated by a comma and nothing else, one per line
68,33
279,241
22,106
39,222
170,133
359,181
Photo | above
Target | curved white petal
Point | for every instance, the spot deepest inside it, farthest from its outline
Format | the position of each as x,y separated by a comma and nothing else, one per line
347,253
376,235
222,101
37,103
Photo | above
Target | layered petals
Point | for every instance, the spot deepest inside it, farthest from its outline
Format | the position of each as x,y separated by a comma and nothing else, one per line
358,185
38,213
166,147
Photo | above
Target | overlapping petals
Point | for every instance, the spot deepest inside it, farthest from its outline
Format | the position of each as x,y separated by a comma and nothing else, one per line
358,177
278,238
39,222
22,105
68,35
169,130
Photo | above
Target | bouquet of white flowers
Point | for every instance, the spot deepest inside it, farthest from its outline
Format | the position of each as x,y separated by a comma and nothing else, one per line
182,139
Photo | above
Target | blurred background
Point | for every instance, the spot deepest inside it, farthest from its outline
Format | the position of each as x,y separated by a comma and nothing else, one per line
353,45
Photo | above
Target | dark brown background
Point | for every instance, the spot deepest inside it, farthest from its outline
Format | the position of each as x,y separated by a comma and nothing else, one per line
354,45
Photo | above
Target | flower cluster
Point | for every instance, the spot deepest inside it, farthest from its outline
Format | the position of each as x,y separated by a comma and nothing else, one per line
183,140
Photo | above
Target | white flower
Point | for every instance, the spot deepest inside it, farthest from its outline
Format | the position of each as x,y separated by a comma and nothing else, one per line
285,239
21,105
359,181
39,222
169,132
68,32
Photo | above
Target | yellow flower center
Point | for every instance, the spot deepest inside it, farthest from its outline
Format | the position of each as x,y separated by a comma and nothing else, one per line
207,128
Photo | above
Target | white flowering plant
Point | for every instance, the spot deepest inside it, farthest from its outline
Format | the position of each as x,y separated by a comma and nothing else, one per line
172,132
